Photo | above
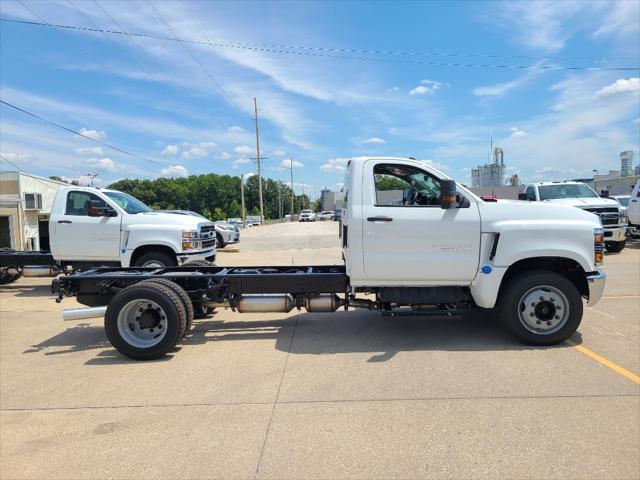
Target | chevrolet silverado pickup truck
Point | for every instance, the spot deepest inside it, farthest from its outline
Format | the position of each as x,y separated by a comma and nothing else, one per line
576,194
91,227
414,243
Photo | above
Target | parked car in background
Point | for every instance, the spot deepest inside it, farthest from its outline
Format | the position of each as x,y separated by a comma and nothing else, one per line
307,216
337,215
577,194
248,223
633,210
326,215
225,232
623,200
236,222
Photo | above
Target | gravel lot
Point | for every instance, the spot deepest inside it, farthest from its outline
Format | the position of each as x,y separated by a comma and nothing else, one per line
344,395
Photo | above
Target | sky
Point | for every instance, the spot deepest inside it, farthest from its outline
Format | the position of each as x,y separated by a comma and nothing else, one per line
554,84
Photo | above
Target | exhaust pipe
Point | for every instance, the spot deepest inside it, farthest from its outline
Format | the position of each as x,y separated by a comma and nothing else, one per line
83,313
40,271
284,303
266,303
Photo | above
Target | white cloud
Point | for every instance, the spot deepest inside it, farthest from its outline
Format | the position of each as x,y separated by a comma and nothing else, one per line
279,153
236,129
240,161
516,132
93,134
426,87
374,140
500,89
89,151
243,150
169,151
102,164
17,157
335,165
392,89
288,162
174,171
632,85
194,152
224,156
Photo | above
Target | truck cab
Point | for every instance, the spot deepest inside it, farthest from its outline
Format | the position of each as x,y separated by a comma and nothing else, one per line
90,225
576,194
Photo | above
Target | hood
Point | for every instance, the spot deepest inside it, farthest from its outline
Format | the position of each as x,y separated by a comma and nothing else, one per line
520,211
163,218
584,202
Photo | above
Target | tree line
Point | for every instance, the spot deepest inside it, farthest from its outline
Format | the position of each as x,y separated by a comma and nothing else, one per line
217,197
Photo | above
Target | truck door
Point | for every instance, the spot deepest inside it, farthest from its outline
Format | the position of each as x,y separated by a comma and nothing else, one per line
407,238
81,237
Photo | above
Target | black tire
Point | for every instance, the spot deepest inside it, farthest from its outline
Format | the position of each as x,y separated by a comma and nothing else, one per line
544,310
220,241
166,299
615,247
7,278
184,296
200,311
160,258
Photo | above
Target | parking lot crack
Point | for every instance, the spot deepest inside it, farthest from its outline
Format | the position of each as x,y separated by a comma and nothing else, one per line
273,409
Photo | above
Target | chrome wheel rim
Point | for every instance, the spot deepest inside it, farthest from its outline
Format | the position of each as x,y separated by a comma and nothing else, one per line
142,323
543,310
153,264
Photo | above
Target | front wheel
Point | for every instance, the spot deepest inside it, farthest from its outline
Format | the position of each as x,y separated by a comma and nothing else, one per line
615,247
220,241
155,260
541,308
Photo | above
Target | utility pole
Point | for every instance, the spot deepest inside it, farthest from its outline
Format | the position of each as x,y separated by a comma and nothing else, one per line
280,200
255,106
292,194
92,176
243,213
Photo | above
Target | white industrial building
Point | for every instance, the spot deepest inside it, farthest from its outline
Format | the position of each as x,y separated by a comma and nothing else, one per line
490,174
25,206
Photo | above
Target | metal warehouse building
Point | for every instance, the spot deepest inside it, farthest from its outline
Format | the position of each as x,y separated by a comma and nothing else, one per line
25,206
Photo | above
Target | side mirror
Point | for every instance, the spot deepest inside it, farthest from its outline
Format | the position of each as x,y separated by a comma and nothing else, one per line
448,194
522,196
98,208
604,193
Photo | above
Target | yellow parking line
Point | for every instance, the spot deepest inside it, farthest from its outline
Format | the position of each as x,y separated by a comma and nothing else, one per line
607,363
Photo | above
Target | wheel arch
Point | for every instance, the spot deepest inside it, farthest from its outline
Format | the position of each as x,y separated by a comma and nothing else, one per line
567,267
143,249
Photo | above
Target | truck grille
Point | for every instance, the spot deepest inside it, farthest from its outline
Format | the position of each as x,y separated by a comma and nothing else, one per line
208,236
609,216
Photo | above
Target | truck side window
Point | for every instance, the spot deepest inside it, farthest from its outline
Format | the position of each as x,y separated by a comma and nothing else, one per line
531,194
405,186
78,203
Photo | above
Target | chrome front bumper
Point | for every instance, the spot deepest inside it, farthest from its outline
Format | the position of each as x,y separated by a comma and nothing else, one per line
596,281
615,234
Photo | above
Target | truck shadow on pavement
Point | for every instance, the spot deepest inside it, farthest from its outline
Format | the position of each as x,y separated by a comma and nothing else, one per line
23,290
367,332
317,334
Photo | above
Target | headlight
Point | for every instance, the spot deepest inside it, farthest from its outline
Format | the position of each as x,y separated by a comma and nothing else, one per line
190,240
624,219
598,246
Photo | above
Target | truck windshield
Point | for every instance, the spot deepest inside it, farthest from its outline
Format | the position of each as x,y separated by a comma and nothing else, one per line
128,203
572,190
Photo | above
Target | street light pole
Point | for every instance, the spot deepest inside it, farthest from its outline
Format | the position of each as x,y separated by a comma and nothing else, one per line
243,213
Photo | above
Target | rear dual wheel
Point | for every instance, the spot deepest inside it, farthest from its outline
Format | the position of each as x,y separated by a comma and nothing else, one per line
146,320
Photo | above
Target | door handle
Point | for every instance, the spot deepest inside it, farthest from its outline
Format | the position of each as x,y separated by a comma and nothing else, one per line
379,219
65,221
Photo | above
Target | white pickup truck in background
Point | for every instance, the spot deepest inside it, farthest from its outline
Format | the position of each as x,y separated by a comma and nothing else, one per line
576,194
633,209
92,227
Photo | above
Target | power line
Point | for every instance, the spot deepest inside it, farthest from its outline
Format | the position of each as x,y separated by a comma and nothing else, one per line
194,58
51,122
10,163
137,45
292,51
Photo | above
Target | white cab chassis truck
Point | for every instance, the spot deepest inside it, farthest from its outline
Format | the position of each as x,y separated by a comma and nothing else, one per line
91,227
414,244
576,194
